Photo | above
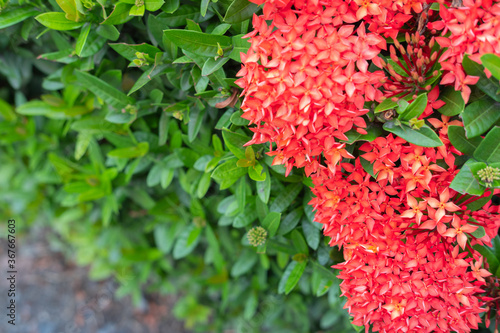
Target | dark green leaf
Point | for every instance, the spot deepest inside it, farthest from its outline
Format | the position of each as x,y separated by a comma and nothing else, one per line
415,109
479,116
456,134
240,10
424,136
291,276
244,263
264,188
15,15
489,86
454,102
240,45
489,149
311,233
286,197
271,223
197,42
492,63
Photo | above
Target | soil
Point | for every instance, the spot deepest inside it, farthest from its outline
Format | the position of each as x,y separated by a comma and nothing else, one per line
56,296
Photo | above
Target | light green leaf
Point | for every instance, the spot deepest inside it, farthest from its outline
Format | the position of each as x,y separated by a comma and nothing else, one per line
82,39
234,142
212,65
128,51
264,188
57,21
137,10
130,152
246,260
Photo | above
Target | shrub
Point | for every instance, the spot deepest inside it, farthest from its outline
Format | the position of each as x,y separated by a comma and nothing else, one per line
122,129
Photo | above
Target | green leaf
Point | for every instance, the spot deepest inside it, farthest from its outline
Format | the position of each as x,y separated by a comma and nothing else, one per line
108,32
197,42
119,15
130,152
458,139
388,103
204,7
479,232
454,102
291,276
15,15
271,223
212,65
286,197
228,173
146,77
299,242
187,241
465,182
264,188
165,236
311,233
103,90
240,45
415,109
184,12
492,63
240,10
170,7
82,39
196,117
70,8
256,172
479,116
82,143
246,260
234,142
290,221
489,149
57,21
489,86
479,203
153,5
424,136
128,51
137,10
492,254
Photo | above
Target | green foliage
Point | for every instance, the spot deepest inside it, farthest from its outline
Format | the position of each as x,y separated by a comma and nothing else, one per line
113,135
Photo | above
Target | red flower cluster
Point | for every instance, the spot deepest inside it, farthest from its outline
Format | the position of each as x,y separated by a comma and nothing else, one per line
402,233
406,235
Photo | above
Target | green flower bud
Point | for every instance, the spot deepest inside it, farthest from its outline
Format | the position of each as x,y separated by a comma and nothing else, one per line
257,236
488,175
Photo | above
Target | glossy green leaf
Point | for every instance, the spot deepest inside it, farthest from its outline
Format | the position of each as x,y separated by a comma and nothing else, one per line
240,10
465,182
489,148
234,142
228,173
311,233
492,254
108,32
212,65
256,172
16,15
57,21
492,63
137,10
490,86
264,188
415,109
82,39
197,42
454,102
459,140
119,15
424,136
291,276
479,116
128,51
153,5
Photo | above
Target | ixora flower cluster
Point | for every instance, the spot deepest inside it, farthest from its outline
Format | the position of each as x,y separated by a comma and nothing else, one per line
314,72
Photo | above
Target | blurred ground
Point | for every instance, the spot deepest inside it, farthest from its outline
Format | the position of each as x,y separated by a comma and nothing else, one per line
55,296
